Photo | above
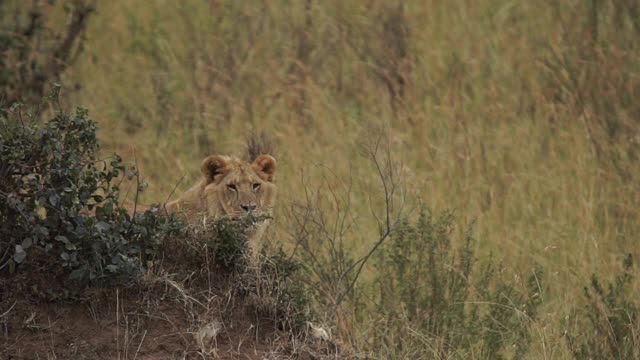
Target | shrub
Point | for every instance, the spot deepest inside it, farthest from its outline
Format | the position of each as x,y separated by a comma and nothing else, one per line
274,283
52,180
435,306
608,325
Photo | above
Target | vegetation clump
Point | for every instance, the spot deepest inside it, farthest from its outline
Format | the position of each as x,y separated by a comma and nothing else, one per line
436,303
273,282
282,291
59,202
607,325
226,239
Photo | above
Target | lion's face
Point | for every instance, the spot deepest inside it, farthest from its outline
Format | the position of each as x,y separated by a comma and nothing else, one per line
234,187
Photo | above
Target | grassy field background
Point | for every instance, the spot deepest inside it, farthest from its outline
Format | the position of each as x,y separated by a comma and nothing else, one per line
520,115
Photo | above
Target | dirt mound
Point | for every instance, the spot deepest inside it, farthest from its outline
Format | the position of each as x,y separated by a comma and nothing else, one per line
184,307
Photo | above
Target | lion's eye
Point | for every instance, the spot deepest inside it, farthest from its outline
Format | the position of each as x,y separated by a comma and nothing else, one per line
232,187
256,186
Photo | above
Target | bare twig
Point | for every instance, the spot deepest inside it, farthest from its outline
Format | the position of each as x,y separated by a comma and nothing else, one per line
144,335
313,227
171,193
135,203
8,311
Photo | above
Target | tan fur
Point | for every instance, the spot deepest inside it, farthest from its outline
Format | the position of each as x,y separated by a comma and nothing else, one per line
232,187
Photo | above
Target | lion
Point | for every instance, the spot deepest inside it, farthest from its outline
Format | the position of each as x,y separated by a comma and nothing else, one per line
231,187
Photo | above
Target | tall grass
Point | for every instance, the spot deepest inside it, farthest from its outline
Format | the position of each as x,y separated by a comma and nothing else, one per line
520,115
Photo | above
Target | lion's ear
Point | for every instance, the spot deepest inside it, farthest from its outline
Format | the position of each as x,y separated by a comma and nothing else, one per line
265,167
213,167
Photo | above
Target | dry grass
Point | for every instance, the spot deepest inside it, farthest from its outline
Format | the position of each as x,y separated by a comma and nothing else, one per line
501,110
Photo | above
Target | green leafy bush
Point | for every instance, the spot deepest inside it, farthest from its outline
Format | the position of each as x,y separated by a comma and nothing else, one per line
608,326
52,181
435,306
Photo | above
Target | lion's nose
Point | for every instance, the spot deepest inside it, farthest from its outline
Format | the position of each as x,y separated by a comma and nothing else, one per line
248,208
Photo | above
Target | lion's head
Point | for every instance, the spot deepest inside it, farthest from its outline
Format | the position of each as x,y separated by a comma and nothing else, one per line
234,187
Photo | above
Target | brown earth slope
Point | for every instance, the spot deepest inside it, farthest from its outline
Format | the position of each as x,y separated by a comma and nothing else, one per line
182,308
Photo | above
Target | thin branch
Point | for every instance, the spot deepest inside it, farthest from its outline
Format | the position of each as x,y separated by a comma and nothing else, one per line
135,202
8,311
388,186
164,205
362,262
